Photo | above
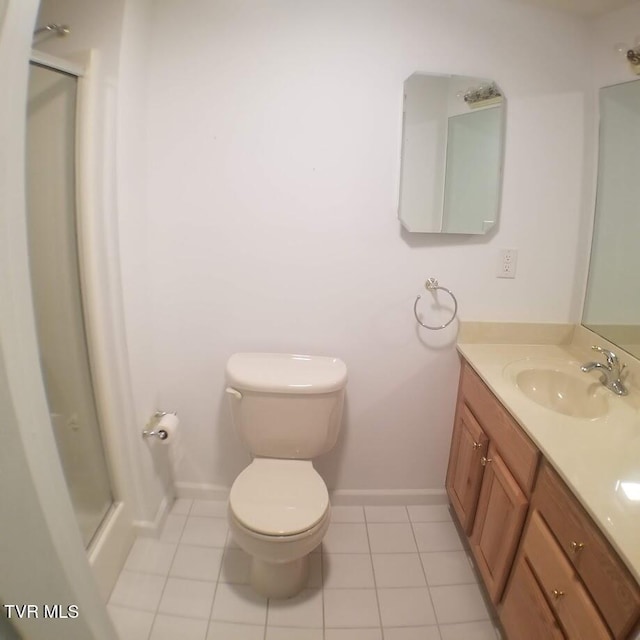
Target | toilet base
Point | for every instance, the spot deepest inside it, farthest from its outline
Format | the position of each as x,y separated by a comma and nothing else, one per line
279,580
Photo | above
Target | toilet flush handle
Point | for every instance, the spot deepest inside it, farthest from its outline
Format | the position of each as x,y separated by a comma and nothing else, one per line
234,392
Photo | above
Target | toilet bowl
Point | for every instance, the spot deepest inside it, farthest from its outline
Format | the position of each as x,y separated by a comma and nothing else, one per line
287,409
278,513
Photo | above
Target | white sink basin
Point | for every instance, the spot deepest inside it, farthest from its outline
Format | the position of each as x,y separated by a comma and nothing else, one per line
560,386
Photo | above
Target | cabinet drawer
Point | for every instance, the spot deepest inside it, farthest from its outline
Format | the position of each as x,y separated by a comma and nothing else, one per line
611,585
525,613
558,580
518,452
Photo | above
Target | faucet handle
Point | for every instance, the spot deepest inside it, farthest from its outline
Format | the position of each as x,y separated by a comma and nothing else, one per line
611,357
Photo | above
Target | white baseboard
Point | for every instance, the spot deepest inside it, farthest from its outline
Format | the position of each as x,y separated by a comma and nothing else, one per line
197,491
384,497
151,528
339,497
109,551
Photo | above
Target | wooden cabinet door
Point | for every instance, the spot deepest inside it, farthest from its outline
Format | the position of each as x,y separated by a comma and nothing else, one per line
464,475
525,614
502,508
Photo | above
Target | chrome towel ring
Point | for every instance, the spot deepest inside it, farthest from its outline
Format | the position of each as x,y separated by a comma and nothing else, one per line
432,285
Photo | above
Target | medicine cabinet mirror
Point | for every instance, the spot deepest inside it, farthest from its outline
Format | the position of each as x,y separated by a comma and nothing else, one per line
612,303
452,154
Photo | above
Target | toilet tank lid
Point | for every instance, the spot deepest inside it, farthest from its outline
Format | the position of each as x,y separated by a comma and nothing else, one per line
286,373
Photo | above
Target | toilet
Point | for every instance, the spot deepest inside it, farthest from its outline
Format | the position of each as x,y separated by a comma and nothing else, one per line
287,409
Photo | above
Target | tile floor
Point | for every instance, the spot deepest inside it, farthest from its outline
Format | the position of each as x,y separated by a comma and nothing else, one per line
381,573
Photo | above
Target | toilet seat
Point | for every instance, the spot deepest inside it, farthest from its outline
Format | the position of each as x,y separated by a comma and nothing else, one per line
277,497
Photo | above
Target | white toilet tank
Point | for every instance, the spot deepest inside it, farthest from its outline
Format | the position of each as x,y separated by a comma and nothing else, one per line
286,405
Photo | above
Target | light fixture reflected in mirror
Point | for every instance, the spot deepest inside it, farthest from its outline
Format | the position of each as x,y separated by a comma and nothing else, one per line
482,96
632,54
60,30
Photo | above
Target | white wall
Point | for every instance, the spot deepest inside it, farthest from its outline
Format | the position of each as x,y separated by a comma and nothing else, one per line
273,164
134,245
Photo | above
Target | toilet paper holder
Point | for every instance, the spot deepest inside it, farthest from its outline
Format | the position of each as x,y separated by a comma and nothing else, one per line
154,432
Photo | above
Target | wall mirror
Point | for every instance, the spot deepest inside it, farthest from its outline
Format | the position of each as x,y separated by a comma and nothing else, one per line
452,154
612,303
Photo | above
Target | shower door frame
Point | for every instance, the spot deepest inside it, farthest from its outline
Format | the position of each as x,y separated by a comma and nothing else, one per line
97,237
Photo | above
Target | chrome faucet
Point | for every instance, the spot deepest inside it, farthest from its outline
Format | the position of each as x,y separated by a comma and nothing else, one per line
611,371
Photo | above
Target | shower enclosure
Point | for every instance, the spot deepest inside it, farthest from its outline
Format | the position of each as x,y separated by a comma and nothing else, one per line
56,279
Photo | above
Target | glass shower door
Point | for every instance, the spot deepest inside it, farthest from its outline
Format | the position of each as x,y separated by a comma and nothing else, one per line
57,292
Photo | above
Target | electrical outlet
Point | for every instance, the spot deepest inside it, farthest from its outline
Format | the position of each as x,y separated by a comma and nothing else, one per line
507,263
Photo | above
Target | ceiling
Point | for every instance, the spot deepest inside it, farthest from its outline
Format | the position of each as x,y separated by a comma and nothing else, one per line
581,7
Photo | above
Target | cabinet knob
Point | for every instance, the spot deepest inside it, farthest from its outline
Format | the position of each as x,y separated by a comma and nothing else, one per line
576,546
557,594
477,445
484,461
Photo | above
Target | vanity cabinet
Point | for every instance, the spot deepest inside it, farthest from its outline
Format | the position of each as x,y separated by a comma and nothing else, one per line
545,564
490,476
588,590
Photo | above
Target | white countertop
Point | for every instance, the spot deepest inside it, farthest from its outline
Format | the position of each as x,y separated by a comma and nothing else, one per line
599,459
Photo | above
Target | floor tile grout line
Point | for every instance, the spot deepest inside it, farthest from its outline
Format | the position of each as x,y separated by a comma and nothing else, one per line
266,620
215,591
128,608
324,632
373,571
191,503
472,580
184,526
266,617
165,577
225,549
157,612
164,586
433,607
